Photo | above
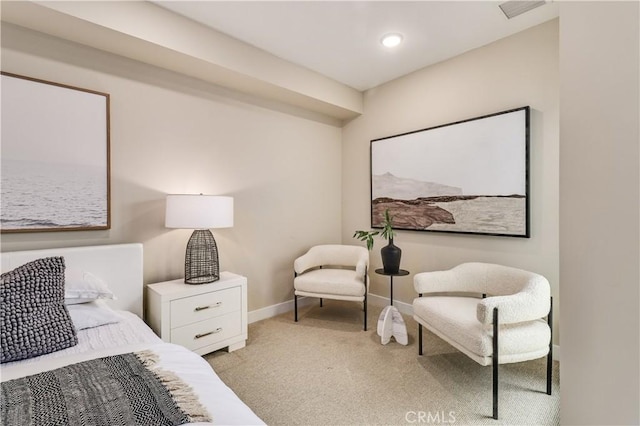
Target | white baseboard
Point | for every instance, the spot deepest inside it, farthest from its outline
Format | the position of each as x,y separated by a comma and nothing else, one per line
374,299
277,309
284,307
404,308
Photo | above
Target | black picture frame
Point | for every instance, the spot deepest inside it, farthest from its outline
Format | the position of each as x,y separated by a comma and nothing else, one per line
466,177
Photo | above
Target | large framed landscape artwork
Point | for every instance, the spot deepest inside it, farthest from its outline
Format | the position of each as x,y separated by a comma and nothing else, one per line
54,157
470,177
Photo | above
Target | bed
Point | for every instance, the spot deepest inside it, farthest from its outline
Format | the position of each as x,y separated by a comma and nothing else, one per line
116,358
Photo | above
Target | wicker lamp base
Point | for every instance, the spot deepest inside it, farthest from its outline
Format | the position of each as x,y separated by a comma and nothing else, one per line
201,260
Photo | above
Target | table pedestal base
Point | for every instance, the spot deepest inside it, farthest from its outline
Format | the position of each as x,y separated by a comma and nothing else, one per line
391,323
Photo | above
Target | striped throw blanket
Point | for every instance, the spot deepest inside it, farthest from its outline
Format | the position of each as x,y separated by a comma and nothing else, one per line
114,390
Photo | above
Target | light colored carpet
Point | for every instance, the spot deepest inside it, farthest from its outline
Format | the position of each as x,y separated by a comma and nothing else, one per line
324,370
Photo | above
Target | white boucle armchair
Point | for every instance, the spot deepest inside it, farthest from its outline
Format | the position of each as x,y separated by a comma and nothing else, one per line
503,323
332,272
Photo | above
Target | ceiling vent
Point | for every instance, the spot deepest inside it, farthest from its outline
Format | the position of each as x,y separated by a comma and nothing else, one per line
517,7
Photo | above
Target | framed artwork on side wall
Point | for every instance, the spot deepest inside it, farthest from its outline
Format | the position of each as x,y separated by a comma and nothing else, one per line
54,157
469,177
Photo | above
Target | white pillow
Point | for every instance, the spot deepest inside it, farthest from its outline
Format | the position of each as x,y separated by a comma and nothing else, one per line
92,314
82,287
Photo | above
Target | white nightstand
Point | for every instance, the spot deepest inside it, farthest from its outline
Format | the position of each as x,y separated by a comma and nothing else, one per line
200,317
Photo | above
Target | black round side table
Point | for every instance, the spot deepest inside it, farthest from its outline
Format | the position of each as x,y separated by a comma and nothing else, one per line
400,273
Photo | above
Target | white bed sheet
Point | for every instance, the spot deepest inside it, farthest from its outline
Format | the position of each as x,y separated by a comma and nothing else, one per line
131,335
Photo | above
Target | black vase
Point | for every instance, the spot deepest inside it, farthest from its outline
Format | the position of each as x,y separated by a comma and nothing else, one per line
391,258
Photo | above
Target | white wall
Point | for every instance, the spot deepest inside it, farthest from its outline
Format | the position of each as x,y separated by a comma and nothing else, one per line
599,212
517,71
174,134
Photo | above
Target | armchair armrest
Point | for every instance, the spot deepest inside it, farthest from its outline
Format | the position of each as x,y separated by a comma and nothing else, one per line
305,262
361,268
513,308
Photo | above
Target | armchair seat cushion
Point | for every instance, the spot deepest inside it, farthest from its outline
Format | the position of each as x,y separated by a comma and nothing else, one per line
338,282
454,319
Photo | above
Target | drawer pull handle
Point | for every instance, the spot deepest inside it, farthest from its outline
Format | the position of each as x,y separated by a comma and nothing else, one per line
217,330
202,308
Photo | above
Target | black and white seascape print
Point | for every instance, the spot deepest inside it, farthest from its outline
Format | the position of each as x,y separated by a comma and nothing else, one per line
54,157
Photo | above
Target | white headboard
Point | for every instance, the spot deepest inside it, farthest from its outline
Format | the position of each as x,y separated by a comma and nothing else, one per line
119,265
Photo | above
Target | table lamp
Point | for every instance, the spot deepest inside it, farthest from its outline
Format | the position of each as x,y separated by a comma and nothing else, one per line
200,212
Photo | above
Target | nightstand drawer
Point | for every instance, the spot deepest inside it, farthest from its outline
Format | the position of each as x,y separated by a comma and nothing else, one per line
210,305
208,332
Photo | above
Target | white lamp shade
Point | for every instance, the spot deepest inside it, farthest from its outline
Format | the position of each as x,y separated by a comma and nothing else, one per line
199,211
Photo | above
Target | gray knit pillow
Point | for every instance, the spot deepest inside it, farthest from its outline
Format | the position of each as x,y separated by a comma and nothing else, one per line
33,317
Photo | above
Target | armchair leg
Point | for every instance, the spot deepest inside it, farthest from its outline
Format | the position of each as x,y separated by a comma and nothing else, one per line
295,297
419,334
495,361
365,310
321,302
550,354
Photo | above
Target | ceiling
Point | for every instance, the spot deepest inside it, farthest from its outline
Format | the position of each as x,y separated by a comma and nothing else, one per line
341,39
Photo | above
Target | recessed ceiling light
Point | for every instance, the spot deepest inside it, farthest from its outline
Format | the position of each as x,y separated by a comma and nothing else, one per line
391,40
